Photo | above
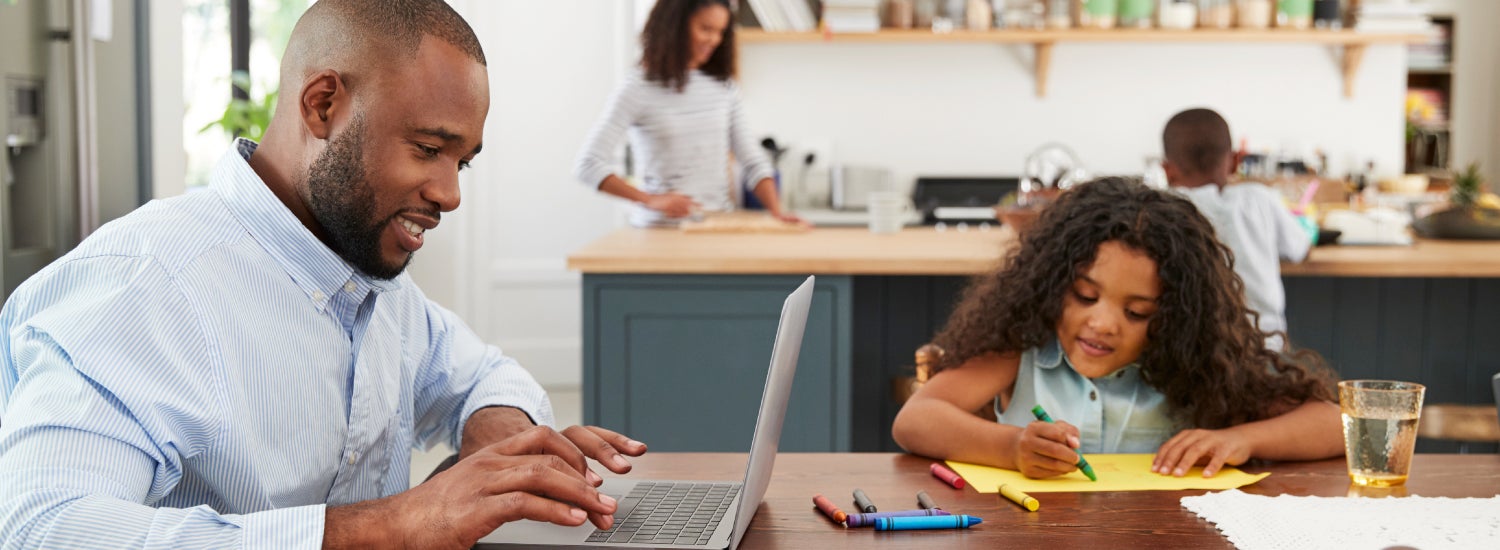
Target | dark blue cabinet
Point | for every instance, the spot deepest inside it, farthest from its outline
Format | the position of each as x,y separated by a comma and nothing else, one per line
679,361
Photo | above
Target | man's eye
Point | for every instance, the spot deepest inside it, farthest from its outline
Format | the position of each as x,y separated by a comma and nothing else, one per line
430,152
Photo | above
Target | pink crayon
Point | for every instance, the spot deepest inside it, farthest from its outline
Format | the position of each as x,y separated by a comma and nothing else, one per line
948,476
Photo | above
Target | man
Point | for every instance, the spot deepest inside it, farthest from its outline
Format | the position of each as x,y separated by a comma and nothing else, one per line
1249,218
249,366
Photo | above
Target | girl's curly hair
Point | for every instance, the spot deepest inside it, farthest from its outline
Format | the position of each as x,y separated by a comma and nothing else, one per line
1203,350
667,44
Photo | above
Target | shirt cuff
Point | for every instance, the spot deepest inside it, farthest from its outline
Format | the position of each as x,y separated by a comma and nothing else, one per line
298,527
502,391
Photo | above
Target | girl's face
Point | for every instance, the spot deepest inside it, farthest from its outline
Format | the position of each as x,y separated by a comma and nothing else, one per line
706,31
1106,311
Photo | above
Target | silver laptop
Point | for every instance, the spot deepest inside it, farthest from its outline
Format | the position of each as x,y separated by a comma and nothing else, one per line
688,514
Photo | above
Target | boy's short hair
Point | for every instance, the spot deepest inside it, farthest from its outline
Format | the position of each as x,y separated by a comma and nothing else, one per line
1197,141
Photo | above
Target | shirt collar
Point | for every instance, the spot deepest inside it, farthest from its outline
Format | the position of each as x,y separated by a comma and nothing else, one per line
314,267
1050,356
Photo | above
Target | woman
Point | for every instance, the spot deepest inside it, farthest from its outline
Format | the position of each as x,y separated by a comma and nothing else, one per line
682,112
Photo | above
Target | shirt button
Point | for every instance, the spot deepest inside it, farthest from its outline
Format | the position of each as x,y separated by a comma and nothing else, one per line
1093,395
349,286
353,457
318,296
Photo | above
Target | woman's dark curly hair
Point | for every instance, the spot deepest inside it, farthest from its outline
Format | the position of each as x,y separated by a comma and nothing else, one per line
666,44
1203,350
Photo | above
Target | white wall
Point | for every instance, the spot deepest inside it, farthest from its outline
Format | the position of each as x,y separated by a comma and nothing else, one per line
168,158
970,108
1476,77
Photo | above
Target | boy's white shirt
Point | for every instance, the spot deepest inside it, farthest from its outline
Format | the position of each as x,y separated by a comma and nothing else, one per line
1252,220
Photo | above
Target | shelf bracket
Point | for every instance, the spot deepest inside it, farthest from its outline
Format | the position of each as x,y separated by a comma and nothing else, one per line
1043,64
1354,55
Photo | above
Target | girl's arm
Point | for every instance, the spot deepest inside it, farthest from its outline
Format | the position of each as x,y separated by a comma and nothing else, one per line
1311,431
938,421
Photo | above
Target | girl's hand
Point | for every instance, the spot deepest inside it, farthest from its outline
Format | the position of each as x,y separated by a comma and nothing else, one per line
1191,447
1047,449
788,217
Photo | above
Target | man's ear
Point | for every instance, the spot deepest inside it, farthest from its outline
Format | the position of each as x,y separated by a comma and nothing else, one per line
322,96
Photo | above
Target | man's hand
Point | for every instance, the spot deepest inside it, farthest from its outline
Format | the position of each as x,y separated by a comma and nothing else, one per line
494,486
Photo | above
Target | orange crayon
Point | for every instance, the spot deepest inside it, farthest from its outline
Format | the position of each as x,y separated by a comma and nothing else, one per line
826,506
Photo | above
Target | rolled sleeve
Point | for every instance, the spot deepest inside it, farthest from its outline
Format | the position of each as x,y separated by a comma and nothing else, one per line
753,161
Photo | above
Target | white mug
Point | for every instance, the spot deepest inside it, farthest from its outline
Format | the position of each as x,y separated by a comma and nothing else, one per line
888,211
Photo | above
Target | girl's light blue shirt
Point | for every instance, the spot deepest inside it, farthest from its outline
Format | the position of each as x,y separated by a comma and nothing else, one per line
1116,413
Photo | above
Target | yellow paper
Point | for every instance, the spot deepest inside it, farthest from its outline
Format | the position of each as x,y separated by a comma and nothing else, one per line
1116,473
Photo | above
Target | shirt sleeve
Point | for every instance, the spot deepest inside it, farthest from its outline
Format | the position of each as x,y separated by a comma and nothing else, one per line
1292,240
752,159
461,374
108,392
601,150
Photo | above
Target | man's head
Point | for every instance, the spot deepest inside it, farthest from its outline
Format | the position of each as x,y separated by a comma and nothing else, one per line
1198,148
382,102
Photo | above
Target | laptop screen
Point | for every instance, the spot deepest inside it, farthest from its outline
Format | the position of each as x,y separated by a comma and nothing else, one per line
773,403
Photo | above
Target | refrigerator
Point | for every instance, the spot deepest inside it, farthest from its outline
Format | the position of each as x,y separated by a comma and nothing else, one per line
71,120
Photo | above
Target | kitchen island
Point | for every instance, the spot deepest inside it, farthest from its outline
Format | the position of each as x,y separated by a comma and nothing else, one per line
678,327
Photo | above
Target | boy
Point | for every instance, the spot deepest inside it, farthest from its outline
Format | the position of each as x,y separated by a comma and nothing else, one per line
1249,218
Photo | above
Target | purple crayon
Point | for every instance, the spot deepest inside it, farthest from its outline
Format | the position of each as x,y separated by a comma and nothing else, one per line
862,520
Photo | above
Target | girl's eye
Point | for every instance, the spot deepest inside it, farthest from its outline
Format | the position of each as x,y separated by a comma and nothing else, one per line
1137,316
1085,299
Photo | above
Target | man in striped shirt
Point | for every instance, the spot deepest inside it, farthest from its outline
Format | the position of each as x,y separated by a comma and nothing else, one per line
248,366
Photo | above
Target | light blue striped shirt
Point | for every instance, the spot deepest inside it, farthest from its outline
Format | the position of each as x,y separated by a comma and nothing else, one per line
205,373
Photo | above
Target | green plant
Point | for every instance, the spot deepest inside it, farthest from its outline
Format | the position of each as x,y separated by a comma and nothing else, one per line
246,118
1467,186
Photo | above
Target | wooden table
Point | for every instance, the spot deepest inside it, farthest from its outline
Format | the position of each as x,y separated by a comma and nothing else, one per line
1135,519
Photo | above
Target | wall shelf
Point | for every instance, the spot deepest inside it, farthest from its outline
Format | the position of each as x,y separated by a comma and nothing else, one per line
1352,42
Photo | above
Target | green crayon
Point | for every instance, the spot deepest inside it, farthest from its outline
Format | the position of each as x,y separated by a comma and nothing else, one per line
1041,414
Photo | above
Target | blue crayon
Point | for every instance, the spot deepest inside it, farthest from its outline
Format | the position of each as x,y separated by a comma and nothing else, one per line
861,520
929,522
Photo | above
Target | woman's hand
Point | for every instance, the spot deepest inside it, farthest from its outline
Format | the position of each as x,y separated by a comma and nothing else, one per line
1190,447
672,205
1047,449
788,217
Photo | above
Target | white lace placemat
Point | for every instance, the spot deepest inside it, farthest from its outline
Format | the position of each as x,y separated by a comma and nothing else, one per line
1254,522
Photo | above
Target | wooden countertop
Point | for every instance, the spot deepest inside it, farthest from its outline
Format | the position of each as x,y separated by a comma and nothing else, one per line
926,251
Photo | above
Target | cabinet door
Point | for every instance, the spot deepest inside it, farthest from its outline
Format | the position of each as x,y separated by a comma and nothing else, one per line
680,362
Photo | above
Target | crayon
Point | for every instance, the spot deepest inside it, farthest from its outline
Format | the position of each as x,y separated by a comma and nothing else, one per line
930,522
863,502
826,506
1041,414
925,502
948,476
1015,495
864,520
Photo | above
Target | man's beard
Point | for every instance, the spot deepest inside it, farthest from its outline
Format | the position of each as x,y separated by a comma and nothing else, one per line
343,202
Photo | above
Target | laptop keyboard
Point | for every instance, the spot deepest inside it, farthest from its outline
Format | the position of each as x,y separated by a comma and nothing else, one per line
669,513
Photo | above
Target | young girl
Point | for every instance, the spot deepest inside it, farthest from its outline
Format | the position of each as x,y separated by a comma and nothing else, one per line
1120,315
